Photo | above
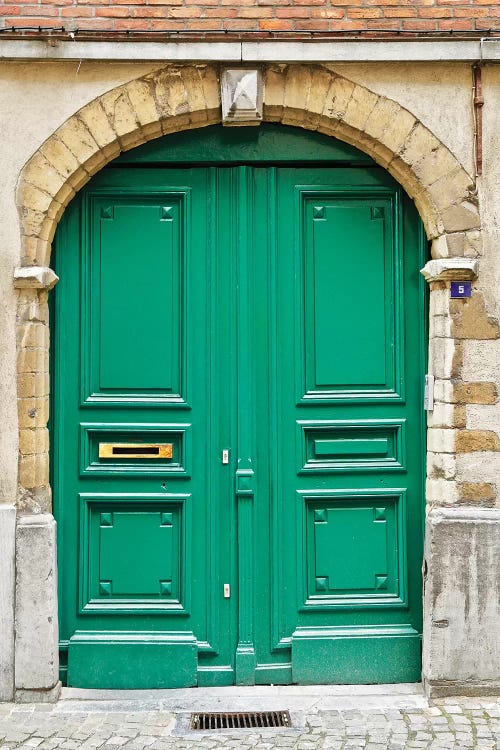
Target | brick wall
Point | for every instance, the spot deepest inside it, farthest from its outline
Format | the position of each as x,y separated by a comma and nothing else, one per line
254,15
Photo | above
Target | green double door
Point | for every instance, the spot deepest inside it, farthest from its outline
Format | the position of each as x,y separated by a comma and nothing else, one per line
237,424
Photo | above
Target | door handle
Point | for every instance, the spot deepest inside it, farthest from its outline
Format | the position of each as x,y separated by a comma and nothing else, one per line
245,478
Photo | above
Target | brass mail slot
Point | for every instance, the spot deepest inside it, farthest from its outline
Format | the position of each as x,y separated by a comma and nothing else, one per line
135,450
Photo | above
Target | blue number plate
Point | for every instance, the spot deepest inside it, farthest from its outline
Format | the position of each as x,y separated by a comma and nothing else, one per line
460,289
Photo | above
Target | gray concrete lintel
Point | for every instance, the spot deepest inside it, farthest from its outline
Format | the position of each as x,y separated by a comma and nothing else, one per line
37,647
348,50
7,587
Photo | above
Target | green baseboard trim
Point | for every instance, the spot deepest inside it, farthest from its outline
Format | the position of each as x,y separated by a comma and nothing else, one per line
356,656
273,674
245,665
118,660
215,676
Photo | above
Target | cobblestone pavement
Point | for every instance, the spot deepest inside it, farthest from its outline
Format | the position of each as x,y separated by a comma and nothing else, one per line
329,718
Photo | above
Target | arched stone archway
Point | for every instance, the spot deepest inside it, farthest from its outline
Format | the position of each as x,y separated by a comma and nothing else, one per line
180,98
310,97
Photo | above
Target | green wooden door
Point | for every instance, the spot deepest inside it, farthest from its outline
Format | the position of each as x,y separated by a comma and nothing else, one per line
237,428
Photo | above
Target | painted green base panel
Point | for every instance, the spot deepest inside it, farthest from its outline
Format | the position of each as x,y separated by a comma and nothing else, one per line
273,674
132,661
215,676
245,665
356,656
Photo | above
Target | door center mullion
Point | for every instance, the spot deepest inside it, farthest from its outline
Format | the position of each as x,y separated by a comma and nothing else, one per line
244,489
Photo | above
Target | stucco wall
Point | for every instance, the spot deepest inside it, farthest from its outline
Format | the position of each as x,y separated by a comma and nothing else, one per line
464,458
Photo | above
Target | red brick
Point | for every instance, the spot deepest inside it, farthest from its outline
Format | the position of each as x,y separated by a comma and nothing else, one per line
39,10
309,2
110,12
472,12
32,21
400,12
293,12
434,12
312,25
383,24
84,12
349,25
166,25
275,25
255,13
203,25
221,13
327,13
7,10
100,24
168,2
364,13
184,12
420,25
131,24
145,12
241,24
456,25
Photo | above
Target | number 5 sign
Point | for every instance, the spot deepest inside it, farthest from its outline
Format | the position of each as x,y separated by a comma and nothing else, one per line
460,289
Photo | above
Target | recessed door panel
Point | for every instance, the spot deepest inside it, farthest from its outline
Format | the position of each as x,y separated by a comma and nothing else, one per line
134,336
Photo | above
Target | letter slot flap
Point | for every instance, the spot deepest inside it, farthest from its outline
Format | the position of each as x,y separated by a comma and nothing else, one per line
135,450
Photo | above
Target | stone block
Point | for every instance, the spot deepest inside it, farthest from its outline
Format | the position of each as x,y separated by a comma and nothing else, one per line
441,440
59,155
443,415
450,189
419,144
77,138
36,659
273,93
170,94
194,89
469,441
297,87
475,393
381,117
34,277
7,580
443,391
441,491
434,165
441,465
401,126
338,98
32,197
461,217
320,85
359,108
471,320
140,94
482,493
211,91
462,560
441,359
97,123
42,174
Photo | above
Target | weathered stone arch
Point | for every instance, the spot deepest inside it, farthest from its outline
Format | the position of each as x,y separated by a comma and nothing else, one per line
184,97
311,97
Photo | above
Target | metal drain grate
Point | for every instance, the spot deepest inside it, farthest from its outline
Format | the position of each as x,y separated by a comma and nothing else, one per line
240,720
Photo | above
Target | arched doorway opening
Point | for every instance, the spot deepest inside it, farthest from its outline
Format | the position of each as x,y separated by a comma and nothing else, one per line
238,440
